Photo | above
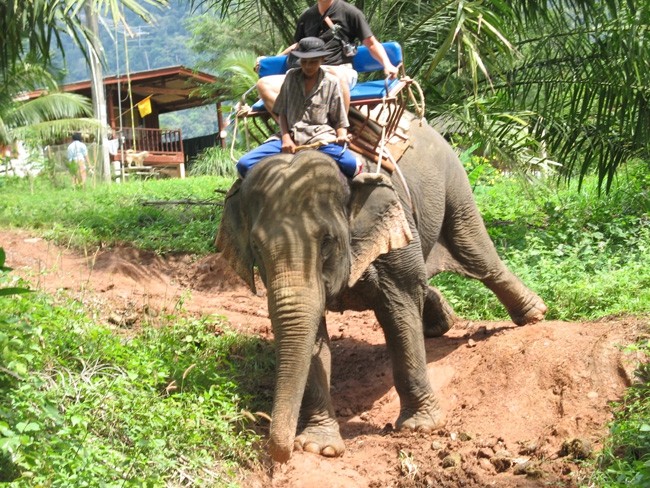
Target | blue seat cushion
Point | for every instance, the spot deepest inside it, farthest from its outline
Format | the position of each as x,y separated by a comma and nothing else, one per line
371,89
258,106
273,65
363,62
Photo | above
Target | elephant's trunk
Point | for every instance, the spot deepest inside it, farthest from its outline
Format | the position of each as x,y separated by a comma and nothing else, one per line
295,312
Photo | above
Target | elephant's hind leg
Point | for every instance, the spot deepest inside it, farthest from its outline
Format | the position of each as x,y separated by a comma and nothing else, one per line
318,429
470,246
523,305
438,316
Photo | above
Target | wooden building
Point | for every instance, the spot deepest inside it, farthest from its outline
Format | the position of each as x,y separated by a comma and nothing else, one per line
158,91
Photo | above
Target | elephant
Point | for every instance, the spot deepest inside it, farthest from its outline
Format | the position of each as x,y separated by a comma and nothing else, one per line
322,242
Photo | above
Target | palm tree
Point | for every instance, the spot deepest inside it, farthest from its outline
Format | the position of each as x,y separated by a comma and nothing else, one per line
32,28
29,30
530,81
45,118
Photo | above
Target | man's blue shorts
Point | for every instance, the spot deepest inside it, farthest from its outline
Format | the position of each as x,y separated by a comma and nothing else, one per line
347,161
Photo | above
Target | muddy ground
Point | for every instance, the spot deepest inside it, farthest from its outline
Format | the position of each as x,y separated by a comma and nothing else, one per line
522,404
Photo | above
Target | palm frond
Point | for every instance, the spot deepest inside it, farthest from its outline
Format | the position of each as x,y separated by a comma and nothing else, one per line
47,108
48,131
590,88
35,27
557,80
282,15
237,71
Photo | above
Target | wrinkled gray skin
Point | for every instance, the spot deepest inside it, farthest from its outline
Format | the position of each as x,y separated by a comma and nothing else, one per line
320,243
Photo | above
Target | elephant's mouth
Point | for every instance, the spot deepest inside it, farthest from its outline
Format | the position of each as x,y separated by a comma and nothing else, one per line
334,303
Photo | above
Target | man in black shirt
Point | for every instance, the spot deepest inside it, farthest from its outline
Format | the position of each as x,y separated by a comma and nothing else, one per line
339,24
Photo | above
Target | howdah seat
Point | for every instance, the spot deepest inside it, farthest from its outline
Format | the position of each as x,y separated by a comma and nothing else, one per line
376,106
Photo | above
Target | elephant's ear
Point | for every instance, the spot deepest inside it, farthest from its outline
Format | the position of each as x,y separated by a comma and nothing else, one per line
377,222
233,238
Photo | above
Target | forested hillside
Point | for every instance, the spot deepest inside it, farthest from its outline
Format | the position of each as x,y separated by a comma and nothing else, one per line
166,43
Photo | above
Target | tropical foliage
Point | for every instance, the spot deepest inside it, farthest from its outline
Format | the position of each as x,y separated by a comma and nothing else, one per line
82,406
214,161
44,118
563,82
35,27
29,31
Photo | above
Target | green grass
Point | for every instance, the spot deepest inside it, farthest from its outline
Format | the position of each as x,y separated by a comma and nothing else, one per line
82,406
586,256
114,214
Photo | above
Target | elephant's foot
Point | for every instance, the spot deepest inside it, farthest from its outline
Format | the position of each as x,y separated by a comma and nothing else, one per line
533,311
323,438
437,316
426,419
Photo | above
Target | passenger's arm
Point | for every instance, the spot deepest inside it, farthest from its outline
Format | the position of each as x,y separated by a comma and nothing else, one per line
290,48
379,53
342,136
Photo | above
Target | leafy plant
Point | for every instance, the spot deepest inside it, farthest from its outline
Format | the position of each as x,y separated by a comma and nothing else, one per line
45,118
478,168
82,406
625,458
214,161
3,269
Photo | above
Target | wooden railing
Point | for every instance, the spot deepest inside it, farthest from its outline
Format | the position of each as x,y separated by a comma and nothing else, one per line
166,141
146,148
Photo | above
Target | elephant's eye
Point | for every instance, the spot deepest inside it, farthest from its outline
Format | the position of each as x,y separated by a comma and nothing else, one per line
328,246
255,248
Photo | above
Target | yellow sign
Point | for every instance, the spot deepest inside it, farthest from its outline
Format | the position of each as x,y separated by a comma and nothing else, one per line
144,106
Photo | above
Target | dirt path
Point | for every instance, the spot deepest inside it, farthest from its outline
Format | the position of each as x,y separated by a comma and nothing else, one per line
510,395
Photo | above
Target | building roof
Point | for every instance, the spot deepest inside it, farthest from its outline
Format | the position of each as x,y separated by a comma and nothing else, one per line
172,88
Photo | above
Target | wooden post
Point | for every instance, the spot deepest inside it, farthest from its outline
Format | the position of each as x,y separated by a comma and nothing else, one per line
222,129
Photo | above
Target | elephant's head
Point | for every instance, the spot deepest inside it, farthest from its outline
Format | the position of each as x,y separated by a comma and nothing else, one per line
311,234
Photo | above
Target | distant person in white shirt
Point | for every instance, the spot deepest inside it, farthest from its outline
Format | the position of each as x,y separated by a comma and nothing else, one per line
78,159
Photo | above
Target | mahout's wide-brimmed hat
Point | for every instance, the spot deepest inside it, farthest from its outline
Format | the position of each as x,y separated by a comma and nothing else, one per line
310,47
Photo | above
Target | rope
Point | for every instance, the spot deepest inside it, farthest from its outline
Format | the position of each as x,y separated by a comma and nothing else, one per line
239,110
313,145
419,107
402,179
381,147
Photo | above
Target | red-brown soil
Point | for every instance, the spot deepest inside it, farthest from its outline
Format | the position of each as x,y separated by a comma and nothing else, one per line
509,394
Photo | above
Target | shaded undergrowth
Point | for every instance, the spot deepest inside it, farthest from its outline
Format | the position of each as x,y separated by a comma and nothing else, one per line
174,404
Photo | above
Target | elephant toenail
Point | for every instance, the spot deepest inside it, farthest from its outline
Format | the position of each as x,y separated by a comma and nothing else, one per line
329,451
311,447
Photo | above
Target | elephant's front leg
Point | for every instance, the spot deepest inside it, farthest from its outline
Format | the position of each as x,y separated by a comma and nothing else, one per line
318,430
402,293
